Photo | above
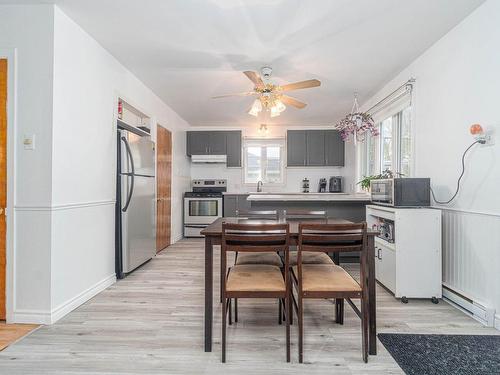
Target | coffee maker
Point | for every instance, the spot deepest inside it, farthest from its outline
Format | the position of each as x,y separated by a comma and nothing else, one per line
322,185
335,184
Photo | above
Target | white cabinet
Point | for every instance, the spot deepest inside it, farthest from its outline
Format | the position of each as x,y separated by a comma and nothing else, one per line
410,265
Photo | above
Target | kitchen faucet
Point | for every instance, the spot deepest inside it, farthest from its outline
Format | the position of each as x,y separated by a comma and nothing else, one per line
259,186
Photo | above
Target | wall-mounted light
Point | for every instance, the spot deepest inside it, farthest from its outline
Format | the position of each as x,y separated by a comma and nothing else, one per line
263,129
477,131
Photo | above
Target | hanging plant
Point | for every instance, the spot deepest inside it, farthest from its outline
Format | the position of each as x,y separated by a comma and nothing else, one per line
357,124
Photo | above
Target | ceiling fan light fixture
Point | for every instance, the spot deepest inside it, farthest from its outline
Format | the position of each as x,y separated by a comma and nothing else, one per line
279,105
274,111
256,108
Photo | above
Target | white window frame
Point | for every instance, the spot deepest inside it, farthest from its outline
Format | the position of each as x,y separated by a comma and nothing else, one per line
363,162
264,142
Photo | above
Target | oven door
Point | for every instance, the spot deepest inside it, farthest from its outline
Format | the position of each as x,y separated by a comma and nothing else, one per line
382,191
202,210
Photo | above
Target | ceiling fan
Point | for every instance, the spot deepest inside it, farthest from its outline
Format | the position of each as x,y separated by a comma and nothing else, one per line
271,97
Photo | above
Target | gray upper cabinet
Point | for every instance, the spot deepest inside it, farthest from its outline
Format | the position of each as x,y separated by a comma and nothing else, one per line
314,148
216,143
233,141
197,143
334,149
296,148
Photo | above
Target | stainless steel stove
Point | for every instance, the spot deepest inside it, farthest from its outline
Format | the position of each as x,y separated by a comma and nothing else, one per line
202,205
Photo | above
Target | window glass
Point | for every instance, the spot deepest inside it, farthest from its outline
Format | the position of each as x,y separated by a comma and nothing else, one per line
405,142
263,161
386,144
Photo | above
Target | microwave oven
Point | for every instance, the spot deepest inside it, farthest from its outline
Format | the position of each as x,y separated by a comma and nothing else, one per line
401,192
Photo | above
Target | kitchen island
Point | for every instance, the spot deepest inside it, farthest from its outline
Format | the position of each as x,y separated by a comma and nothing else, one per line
337,205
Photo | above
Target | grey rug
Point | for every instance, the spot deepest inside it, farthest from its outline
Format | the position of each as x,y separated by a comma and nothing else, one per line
444,354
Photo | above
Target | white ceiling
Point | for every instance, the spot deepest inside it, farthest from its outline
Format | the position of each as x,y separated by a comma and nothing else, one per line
189,50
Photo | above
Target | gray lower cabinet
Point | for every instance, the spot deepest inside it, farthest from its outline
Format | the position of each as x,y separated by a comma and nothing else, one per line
215,143
314,148
234,202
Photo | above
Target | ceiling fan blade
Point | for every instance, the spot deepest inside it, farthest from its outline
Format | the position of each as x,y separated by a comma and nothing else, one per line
292,101
301,85
254,77
235,94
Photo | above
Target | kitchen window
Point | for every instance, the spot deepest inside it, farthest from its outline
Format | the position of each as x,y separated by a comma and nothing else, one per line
391,149
264,161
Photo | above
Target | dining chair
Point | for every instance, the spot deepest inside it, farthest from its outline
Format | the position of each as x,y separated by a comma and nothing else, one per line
255,280
307,257
330,280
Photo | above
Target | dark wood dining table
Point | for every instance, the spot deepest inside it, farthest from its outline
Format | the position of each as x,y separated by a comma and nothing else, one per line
213,234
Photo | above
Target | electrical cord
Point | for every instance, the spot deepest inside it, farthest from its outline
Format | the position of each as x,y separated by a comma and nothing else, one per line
459,178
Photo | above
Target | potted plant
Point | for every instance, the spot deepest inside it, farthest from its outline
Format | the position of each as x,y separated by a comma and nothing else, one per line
365,182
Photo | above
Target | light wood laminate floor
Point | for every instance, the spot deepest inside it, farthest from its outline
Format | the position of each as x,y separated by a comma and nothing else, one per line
152,323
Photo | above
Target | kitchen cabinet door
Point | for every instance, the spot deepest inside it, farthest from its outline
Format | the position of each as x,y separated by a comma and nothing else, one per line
296,148
233,146
315,148
217,143
197,143
334,149
230,205
243,203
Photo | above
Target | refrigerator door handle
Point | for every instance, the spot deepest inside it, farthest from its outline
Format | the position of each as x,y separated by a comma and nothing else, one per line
131,190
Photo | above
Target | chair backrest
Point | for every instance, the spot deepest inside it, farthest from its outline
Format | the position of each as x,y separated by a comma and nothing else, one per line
332,237
305,214
254,238
255,214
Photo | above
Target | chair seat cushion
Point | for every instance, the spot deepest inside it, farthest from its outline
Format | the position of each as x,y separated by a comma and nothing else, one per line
326,278
255,278
271,259
310,257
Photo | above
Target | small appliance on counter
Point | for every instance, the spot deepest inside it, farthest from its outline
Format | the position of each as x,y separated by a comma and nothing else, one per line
401,192
305,185
203,205
322,185
335,184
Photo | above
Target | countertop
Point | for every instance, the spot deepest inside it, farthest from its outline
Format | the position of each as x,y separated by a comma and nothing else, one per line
308,197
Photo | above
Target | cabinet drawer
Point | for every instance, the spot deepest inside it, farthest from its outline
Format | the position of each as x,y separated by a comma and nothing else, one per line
385,266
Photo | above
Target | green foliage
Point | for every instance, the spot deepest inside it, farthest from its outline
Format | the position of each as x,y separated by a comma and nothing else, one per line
365,182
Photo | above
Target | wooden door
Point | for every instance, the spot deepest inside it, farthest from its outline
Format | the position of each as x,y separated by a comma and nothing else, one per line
164,187
3,180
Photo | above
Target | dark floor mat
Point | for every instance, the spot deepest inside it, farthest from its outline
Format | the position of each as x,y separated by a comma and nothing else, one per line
444,354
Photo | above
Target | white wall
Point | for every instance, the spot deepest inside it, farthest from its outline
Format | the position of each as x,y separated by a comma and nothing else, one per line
457,85
33,63
68,87
293,175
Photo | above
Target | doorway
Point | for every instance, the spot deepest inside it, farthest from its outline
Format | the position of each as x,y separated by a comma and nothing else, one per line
164,187
3,185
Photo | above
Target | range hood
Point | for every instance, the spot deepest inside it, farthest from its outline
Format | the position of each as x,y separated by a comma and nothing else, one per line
212,159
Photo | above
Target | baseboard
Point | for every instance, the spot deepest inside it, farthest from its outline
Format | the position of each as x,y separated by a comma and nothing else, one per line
68,306
30,317
177,238
477,310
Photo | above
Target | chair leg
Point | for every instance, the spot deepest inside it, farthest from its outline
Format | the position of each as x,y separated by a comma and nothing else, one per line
300,317
236,310
364,328
230,312
279,311
223,341
287,314
339,310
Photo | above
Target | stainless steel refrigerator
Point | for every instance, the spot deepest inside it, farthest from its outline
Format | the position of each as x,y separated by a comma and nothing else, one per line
135,197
